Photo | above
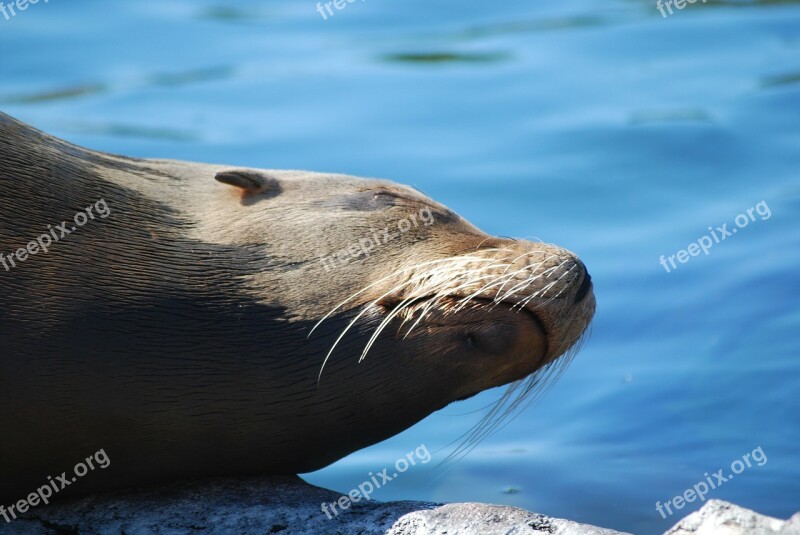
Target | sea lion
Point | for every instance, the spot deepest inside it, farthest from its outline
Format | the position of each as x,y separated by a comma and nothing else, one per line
194,320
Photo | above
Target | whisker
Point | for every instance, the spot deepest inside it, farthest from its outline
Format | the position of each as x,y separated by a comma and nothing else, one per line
524,302
394,274
399,308
419,276
531,279
445,292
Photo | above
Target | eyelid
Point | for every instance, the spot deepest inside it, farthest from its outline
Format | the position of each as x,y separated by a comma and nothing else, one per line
392,194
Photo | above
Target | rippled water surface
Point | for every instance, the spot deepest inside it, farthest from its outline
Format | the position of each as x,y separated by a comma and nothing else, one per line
600,126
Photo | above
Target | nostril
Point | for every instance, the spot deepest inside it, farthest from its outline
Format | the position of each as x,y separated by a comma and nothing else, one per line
586,285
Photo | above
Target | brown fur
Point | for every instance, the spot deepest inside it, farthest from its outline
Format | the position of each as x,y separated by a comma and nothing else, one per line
176,333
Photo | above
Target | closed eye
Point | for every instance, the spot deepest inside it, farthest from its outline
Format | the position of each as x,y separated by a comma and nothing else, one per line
376,199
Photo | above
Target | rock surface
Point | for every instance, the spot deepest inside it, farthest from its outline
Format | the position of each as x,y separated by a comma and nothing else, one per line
723,518
290,506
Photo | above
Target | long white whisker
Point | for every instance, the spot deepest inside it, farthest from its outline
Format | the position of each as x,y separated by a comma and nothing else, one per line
394,274
504,279
440,294
522,285
521,304
399,308
413,279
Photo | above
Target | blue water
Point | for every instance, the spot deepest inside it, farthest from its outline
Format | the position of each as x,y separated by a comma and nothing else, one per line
600,126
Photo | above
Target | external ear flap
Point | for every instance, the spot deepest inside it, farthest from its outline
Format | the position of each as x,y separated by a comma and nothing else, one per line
250,180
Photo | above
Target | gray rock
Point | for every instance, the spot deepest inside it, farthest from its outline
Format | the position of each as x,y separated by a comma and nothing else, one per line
288,505
273,505
723,518
487,520
792,526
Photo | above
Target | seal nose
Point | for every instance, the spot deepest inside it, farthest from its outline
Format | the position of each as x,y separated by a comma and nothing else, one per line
586,285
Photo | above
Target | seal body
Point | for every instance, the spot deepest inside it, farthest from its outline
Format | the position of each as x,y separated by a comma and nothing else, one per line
199,320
